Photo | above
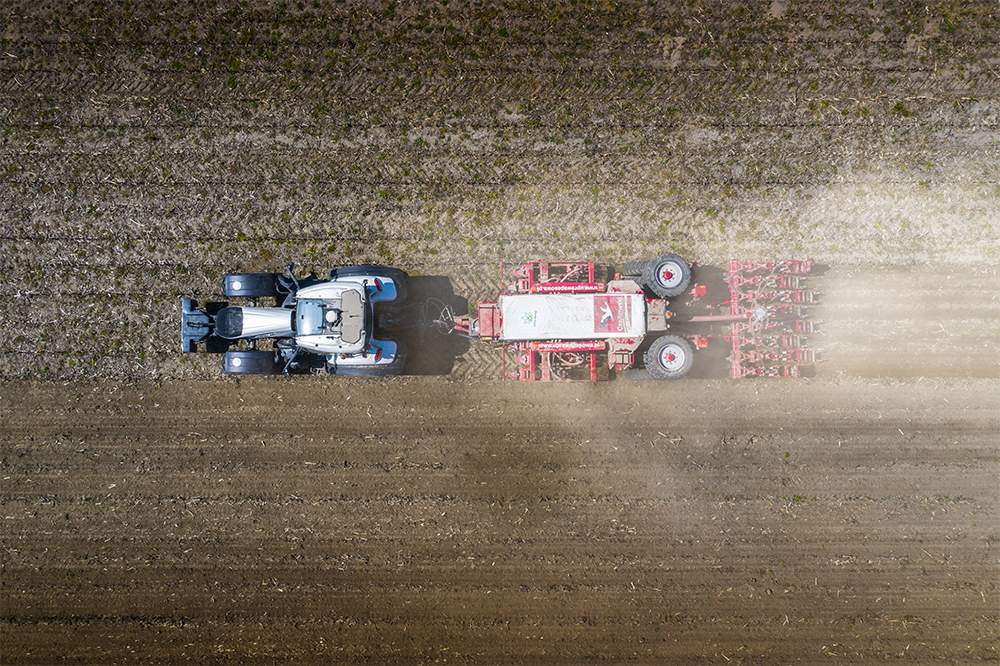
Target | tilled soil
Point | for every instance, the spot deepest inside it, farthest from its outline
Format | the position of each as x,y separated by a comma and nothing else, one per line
147,148
156,512
418,520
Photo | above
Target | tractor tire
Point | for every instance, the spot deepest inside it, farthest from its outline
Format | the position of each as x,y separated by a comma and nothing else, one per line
387,370
250,363
633,375
399,278
667,276
633,268
250,285
669,357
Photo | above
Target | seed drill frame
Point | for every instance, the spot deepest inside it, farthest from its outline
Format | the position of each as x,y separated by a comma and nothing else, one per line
760,312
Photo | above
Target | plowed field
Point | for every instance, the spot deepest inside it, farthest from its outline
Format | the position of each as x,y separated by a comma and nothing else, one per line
154,511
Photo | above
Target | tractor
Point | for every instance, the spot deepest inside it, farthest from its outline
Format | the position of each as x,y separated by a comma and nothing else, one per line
280,323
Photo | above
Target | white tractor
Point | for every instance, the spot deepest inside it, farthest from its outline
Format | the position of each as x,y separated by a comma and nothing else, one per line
314,324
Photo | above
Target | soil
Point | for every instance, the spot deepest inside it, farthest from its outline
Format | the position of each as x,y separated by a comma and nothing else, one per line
417,520
154,511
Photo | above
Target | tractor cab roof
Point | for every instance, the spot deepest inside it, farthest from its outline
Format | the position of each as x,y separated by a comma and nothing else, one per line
341,317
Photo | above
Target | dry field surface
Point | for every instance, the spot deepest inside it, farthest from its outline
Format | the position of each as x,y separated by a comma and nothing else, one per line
153,511
421,520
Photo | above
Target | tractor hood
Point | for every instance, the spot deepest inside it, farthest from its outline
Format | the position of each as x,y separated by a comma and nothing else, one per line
237,322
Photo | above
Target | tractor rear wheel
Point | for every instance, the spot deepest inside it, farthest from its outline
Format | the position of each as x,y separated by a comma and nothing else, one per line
667,276
669,357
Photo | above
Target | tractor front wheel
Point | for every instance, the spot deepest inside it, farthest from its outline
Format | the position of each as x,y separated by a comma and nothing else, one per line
250,363
250,285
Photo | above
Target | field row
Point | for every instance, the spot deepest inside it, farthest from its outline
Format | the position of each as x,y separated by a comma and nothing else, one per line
502,25
846,519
